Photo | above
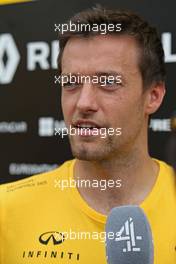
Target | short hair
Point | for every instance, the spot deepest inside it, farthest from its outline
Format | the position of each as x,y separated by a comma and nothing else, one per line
151,61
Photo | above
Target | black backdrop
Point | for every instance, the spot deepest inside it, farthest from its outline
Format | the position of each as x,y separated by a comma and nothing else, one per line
29,98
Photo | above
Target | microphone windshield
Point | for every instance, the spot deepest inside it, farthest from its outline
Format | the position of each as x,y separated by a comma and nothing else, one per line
128,236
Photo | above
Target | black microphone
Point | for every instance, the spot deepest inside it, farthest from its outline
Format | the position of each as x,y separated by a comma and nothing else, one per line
128,237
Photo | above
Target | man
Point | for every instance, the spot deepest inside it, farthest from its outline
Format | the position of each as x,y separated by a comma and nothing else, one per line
41,218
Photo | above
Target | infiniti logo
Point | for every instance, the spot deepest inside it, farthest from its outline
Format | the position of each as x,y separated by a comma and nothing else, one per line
53,237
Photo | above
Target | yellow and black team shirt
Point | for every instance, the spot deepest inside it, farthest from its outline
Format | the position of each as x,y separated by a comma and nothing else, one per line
35,213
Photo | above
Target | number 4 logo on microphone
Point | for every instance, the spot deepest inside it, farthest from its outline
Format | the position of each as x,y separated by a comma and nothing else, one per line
129,236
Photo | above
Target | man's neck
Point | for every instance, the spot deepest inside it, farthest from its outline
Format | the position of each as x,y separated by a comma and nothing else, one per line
136,177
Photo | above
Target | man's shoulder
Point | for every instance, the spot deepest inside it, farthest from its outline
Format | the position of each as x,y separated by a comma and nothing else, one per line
167,175
34,183
165,168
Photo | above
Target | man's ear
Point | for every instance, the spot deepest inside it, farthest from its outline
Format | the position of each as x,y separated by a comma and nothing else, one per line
154,97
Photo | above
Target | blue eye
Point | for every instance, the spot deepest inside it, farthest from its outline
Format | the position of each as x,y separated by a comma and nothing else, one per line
109,82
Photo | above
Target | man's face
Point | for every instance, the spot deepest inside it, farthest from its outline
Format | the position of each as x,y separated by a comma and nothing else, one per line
110,106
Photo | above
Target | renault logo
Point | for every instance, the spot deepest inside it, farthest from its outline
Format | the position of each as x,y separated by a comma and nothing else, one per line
8,48
53,237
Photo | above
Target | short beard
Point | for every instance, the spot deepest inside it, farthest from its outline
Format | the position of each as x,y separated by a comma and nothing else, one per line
103,151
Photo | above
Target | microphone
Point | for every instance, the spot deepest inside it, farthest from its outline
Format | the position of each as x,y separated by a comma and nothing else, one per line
128,236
